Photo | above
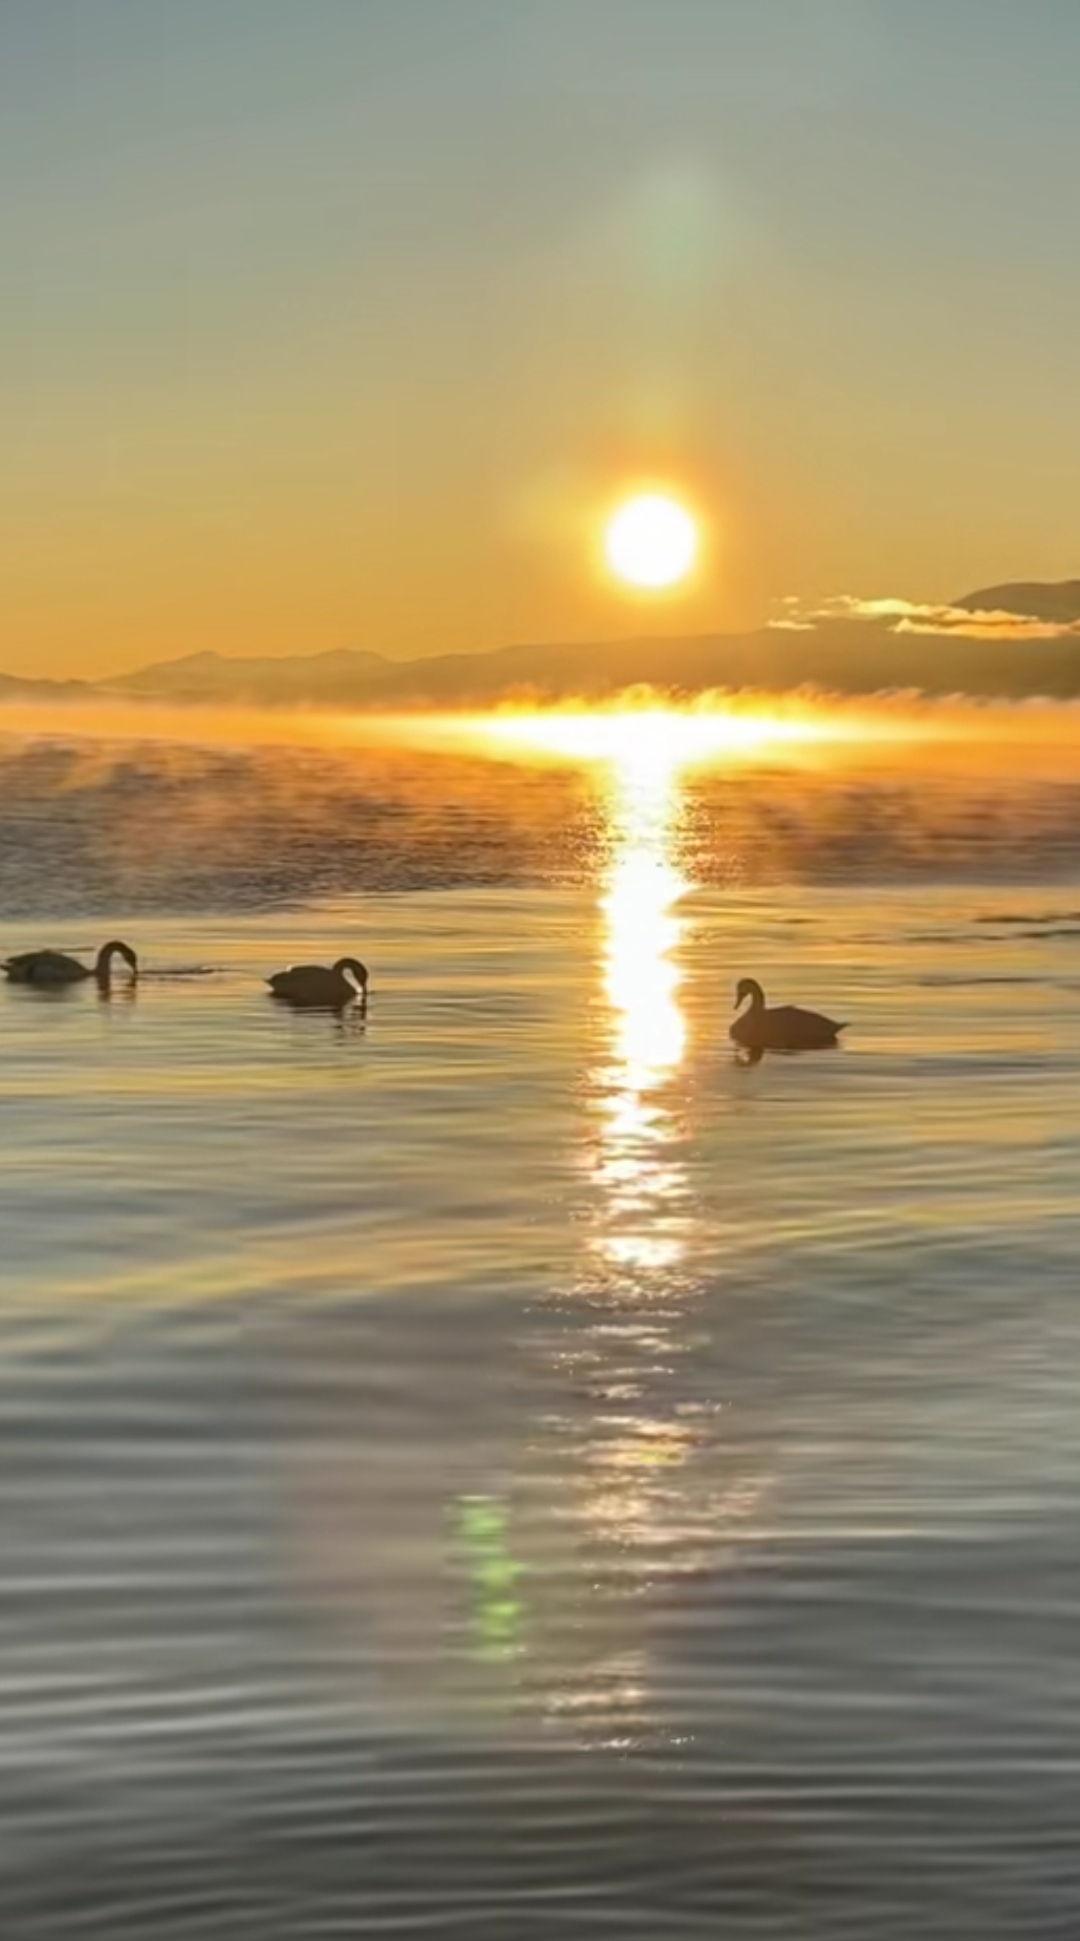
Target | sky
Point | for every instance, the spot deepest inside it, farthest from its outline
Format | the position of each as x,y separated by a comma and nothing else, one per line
340,324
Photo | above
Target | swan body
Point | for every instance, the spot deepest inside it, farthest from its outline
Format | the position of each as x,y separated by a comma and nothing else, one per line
780,1027
322,987
51,968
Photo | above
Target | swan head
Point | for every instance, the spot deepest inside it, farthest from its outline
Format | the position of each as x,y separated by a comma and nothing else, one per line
748,987
352,967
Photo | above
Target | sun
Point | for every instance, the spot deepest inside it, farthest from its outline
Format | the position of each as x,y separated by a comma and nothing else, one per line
651,541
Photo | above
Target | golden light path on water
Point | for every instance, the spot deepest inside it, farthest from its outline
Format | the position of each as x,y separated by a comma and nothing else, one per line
641,978
615,1452
620,1455
643,754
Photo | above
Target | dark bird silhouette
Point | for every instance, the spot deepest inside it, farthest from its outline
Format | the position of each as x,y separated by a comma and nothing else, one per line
782,1027
321,987
49,968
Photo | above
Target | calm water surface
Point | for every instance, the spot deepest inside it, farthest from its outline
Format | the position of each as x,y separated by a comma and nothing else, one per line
501,1468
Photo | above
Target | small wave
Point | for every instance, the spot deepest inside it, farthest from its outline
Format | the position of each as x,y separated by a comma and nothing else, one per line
1028,916
959,980
929,937
165,972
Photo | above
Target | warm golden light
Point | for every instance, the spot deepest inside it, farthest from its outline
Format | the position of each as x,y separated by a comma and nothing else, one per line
651,542
636,740
622,1448
629,1452
642,1187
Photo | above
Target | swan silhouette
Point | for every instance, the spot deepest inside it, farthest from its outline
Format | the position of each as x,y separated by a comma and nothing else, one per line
48,968
322,987
781,1027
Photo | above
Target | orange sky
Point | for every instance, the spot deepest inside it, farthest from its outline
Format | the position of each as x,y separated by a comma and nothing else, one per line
342,331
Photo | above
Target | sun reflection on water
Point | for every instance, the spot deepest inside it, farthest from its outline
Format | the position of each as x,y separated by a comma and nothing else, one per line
641,981
618,1492
573,1523
615,1448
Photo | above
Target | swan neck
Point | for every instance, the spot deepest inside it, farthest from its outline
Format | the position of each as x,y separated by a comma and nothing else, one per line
103,967
352,968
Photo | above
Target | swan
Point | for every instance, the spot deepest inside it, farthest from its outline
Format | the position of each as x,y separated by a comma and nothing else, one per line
326,989
52,967
782,1027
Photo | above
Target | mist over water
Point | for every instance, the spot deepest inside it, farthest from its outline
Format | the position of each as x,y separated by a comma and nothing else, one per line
220,812
495,1466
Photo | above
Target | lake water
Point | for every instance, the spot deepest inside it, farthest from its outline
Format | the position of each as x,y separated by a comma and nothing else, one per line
498,1467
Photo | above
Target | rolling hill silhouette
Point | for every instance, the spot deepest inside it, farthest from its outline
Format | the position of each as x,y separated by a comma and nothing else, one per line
1057,601
846,655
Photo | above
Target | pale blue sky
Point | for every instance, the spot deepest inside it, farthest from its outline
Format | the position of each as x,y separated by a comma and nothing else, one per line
325,321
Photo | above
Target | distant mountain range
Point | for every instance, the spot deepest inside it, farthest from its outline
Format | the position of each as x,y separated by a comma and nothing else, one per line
849,655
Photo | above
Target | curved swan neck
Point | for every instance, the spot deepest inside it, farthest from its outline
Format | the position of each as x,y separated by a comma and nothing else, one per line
752,990
115,948
352,967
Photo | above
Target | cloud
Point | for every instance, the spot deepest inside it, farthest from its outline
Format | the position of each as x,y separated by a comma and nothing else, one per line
917,617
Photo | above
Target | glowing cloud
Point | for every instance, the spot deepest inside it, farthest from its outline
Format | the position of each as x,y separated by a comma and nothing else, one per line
920,617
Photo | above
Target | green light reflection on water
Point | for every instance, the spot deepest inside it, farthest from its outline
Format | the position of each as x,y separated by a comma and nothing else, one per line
482,1526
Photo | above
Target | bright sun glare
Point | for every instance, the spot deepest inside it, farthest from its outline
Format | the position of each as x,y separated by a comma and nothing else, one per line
651,541
643,739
